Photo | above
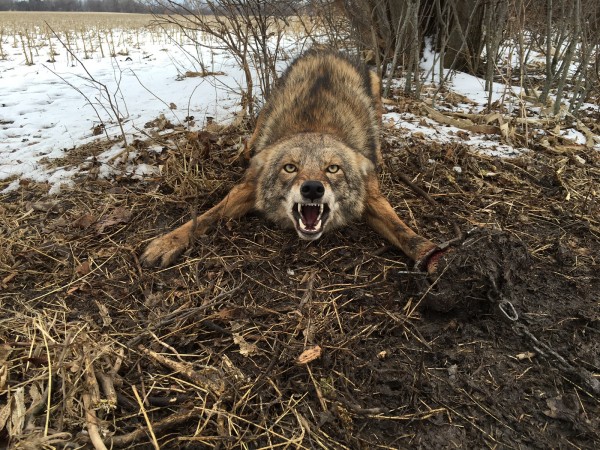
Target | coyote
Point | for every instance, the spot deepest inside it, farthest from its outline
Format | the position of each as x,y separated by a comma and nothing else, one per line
314,158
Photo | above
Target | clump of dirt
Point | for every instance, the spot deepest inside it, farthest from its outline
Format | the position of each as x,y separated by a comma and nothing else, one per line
488,266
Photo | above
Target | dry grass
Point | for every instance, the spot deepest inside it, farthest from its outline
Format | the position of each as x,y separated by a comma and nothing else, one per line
12,22
98,351
65,21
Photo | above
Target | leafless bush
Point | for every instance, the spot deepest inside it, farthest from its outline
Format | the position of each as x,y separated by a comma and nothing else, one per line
500,40
395,31
497,39
250,30
331,25
572,38
111,102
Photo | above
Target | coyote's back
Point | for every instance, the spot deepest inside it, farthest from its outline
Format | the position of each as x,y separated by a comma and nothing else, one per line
323,92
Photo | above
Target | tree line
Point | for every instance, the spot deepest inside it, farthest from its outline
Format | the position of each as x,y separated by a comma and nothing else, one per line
121,6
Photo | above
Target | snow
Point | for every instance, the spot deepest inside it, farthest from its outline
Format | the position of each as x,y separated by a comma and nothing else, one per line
49,108
410,125
464,84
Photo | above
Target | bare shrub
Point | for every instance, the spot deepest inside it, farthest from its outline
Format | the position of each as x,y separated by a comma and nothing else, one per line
496,39
572,38
250,30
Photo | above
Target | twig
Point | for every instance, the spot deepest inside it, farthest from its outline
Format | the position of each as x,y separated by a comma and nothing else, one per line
117,366
91,420
141,403
168,401
130,438
89,100
356,408
49,389
90,397
167,346
216,388
108,387
545,350
181,315
417,190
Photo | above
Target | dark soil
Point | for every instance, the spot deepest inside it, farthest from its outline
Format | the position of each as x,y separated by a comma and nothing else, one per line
399,367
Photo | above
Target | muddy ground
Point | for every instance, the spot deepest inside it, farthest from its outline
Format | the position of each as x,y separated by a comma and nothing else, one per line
205,354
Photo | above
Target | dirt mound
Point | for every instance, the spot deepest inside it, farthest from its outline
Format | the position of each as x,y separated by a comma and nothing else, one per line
488,266
257,340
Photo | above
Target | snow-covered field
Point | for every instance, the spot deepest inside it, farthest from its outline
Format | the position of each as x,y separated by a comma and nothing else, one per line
57,103
50,107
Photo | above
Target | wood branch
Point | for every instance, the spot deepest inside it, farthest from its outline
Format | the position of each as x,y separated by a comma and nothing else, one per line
142,433
213,383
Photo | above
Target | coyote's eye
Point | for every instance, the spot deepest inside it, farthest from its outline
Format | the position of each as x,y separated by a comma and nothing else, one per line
333,168
290,168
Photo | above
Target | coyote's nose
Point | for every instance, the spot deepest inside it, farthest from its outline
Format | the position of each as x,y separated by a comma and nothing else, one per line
312,189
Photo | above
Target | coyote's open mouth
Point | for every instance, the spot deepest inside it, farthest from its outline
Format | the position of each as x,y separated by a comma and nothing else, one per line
310,218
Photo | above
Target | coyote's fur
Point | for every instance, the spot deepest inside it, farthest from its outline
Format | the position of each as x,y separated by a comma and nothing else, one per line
314,154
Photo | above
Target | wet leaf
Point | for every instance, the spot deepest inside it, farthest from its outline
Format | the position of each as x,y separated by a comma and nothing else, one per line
5,351
104,314
246,348
17,417
83,268
117,216
5,414
35,394
46,206
563,407
84,221
525,355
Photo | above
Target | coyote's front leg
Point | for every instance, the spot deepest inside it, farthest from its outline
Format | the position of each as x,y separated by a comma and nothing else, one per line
163,250
380,215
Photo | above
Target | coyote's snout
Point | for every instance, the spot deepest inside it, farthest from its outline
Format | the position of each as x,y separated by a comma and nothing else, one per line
314,154
311,213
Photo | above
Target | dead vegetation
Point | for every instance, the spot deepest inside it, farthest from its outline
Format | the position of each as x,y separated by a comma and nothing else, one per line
257,340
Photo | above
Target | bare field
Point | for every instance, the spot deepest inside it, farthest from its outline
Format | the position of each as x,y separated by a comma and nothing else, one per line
12,21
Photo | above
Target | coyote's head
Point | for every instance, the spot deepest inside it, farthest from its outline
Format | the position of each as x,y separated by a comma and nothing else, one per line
312,182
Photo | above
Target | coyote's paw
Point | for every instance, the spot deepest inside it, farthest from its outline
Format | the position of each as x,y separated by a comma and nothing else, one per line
163,250
432,263
429,259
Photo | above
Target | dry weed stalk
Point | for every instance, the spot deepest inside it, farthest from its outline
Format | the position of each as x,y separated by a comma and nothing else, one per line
2,53
251,31
114,110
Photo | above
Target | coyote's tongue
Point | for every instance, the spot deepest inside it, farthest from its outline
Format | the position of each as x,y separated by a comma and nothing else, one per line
310,215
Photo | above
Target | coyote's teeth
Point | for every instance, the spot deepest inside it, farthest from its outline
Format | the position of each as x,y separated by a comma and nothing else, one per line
321,206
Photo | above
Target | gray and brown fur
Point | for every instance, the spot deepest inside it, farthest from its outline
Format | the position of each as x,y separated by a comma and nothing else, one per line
314,158
324,93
